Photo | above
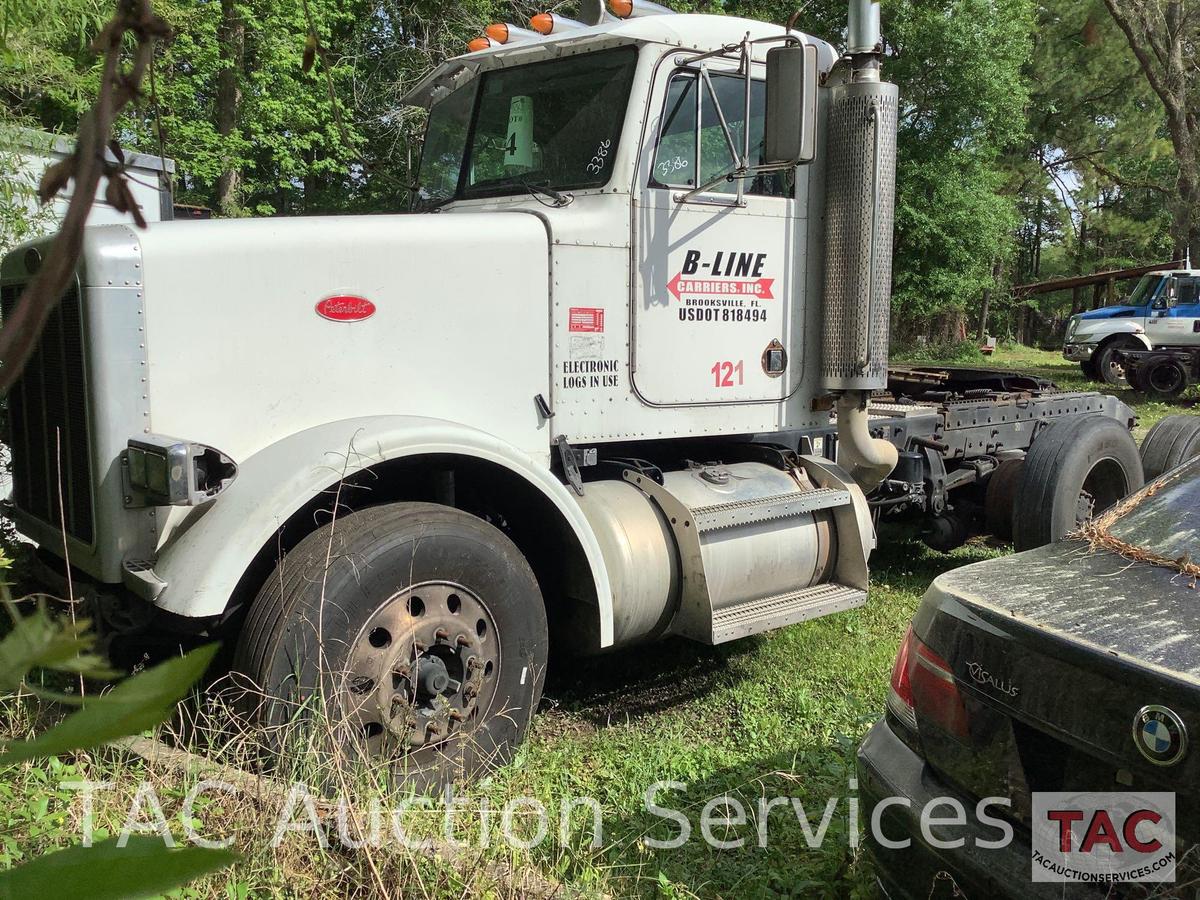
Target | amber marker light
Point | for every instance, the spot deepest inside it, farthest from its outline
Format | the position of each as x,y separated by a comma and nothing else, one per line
542,23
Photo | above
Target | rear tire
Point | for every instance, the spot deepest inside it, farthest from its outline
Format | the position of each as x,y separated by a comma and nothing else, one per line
1171,442
1000,498
1160,376
416,629
1076,469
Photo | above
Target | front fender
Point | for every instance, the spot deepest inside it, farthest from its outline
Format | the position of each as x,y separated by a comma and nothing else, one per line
202,560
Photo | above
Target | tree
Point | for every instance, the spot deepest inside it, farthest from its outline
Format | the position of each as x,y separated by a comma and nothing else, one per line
231,41
959,65
1163,35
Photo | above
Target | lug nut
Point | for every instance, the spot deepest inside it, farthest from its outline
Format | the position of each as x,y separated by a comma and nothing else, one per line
442,634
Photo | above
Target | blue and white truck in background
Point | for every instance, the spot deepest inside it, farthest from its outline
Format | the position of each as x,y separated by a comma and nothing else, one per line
1163,310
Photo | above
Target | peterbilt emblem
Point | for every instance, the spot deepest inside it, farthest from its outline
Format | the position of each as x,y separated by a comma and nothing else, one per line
345,308
1160,735
980,675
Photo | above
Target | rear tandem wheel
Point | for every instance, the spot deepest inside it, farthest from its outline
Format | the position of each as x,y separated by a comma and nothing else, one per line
1075,469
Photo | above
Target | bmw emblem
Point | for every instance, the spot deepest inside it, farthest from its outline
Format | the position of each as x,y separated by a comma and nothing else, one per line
1159,735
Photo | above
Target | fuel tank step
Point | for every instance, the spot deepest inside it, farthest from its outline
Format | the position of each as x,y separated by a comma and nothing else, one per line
783,609
766,509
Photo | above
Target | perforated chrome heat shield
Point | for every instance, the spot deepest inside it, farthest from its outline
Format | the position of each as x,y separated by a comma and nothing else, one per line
858,255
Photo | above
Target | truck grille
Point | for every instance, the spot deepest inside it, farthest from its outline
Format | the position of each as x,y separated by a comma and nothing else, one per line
48,422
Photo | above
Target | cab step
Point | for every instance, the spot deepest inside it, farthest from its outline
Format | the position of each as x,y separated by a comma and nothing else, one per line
783,609
766,509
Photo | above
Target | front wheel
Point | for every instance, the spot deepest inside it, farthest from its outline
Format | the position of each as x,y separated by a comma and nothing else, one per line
1076,469
1107,361
411,633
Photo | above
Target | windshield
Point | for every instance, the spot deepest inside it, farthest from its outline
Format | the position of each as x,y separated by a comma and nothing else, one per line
1166,521
551,124
1142,292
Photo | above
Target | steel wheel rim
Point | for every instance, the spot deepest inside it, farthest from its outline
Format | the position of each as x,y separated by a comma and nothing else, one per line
421,672
1116,369
1103,487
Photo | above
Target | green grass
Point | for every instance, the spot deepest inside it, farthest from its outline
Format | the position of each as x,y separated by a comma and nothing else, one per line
775,715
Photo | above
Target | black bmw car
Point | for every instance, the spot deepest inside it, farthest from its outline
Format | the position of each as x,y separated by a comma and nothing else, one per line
1069,669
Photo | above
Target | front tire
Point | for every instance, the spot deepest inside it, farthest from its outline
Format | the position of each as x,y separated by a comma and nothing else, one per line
1076,469
1088,368
417,630
1107,361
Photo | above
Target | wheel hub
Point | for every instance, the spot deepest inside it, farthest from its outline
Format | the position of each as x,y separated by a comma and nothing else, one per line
422,668
1084,508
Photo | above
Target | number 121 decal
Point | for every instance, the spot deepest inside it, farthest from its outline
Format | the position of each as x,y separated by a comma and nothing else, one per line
725,372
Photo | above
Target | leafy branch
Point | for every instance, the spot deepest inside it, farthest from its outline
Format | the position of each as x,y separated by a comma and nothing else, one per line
120,85
144,865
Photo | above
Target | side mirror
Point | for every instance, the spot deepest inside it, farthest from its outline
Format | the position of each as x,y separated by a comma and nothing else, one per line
790,130
1172,292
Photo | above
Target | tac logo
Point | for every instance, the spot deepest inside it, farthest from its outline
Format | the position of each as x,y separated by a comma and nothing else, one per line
1103,837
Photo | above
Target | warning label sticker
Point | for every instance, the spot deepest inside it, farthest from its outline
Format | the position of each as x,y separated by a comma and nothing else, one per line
585,318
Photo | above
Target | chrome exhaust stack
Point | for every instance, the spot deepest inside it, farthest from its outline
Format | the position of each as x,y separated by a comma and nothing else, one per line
860,212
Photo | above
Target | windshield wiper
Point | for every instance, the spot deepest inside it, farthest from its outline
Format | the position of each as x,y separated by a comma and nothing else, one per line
436,205
537,190
560,199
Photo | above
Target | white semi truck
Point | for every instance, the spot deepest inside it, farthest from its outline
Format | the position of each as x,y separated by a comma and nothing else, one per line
622,374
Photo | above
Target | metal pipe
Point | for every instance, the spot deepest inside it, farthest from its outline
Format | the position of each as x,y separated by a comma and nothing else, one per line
868,459
863,33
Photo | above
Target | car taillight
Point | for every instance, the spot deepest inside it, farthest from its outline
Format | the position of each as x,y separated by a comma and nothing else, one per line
900,698
923,684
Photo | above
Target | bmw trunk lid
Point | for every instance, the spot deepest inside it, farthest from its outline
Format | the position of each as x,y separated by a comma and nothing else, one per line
1077,669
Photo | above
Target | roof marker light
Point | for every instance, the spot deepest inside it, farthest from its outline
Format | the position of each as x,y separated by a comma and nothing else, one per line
504,33
552,23
632,9
481,43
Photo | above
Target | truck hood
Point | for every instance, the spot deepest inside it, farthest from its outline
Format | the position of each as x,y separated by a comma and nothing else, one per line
1112,312
256,329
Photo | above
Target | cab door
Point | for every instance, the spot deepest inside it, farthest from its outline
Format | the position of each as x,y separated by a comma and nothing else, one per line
714,269
1175,315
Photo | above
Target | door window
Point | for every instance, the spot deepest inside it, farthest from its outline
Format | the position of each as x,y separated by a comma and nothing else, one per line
1188,291
692,127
